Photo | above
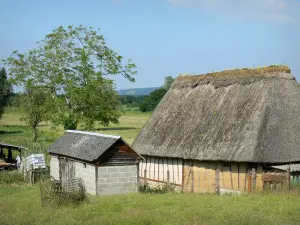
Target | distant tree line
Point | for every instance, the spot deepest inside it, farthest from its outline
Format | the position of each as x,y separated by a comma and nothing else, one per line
150,102
132,101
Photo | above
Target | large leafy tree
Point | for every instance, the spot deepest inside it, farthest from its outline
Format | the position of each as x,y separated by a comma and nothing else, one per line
5,90
76,63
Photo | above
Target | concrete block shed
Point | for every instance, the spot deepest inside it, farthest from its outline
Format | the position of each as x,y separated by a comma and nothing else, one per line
106,163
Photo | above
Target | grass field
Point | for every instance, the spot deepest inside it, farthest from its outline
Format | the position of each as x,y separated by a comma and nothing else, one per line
14,131
22,204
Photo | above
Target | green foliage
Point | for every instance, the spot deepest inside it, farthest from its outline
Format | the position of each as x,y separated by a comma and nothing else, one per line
14,100
132,101
12,177
150,103
168,82
166,188
37,104
74,62
70,122
5,90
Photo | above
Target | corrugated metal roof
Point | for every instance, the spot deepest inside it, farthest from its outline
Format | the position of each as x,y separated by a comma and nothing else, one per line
293,167
5,145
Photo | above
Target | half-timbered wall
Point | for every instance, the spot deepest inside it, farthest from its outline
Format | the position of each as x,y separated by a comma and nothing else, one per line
161,170
199,176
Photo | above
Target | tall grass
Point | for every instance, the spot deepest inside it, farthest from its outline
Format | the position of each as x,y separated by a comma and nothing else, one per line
12,177
23,206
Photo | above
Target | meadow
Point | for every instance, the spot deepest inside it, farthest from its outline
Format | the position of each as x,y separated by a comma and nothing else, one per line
14,131
21,204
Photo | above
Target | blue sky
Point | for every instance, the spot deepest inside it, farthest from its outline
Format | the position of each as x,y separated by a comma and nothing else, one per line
167,37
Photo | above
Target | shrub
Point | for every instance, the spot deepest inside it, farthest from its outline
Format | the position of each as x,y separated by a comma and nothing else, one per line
166,188
70,123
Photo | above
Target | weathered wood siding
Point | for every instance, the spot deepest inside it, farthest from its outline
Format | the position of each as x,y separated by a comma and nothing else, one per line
119,153
200,176
161,169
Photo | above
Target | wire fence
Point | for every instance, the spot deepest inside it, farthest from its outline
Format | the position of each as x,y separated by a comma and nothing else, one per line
62,192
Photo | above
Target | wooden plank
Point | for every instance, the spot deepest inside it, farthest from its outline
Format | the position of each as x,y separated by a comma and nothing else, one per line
217,181
142,167
159,181
173,170
168,177
182,176
193,180
253,176
249,181
288,178
177,179
274,177
245,181
150,168
199,176
231,181
145,175
154,159
238,176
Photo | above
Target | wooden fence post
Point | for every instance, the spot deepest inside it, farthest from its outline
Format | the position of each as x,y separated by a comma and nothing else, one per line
145,175
288,178
168,177
249,181
253,175
183,175
217,181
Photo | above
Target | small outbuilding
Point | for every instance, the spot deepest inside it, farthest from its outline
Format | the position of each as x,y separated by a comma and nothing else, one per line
106,163
6,161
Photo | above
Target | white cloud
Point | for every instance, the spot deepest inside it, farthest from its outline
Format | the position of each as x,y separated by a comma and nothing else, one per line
271,10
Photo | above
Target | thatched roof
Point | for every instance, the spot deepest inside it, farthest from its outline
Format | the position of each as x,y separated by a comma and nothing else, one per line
86,146
247,115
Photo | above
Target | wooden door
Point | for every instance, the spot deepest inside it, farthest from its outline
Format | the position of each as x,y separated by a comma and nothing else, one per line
66,169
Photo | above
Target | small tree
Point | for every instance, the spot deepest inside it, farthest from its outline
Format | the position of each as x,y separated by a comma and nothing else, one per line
5,90
151,102
35,101
168,82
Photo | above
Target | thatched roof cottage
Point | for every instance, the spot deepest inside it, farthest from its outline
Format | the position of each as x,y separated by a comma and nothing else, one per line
230,121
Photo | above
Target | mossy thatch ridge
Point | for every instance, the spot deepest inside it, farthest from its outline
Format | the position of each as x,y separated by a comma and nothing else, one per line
244,72
228,77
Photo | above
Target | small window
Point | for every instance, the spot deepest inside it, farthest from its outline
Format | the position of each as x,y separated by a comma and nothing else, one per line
84,165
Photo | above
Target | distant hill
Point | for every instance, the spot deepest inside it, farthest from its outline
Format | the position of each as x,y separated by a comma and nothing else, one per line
137,91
